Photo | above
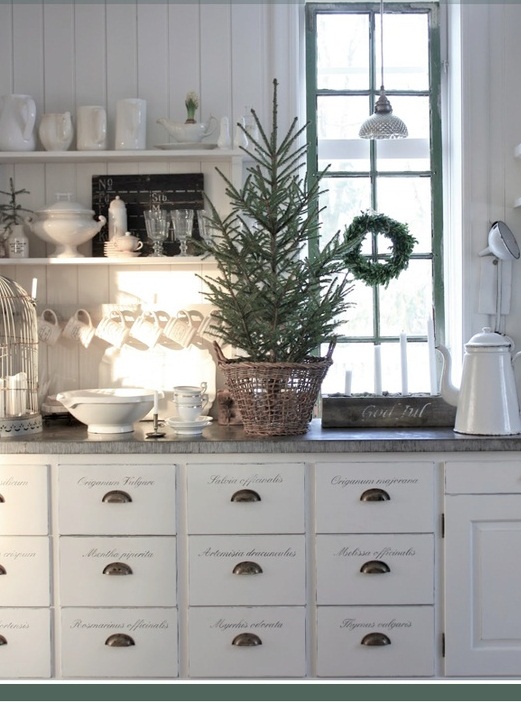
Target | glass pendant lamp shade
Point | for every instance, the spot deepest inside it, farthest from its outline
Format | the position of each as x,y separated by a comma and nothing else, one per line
383,124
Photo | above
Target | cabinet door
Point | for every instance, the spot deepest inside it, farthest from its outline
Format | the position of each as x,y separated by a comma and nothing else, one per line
483,576
116,499
24,571
25,649
385,496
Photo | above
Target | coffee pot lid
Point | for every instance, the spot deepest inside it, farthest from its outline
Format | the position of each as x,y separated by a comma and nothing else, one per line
489,338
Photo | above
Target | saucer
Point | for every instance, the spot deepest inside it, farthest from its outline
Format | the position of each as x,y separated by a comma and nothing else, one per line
122,254
201,421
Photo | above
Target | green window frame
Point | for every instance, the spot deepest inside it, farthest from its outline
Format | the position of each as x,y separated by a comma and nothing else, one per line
372,174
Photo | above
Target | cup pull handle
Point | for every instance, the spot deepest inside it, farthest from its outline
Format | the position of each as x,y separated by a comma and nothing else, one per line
118,496
3,640
246,639
120,640
375,638
247,568
2,498
2,570
245,496
375,567
375,495
117,569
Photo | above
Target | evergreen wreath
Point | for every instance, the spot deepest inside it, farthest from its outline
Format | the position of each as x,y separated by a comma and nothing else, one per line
375,272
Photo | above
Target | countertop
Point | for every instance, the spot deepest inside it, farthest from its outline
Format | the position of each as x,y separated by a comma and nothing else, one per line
61,438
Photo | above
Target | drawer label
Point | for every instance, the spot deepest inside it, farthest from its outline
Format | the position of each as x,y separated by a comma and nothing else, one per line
114,553
13,482
342,481
352,624
15,555
225,624
6,625
386,552
248,481
251,553
125,481
137,625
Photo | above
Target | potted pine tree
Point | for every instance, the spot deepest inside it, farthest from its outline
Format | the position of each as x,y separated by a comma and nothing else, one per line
272,302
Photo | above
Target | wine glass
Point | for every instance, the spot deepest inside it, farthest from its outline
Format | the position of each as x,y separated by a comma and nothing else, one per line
157,223
205,228
183,222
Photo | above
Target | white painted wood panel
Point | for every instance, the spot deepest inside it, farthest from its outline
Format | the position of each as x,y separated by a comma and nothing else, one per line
90,54
58,59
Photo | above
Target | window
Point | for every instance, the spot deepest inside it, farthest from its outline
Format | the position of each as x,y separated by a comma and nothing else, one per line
400,178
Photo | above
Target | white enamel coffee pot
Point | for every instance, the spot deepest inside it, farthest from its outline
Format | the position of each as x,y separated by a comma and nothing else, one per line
487,402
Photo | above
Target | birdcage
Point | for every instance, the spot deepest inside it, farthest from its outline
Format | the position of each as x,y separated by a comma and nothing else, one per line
19,413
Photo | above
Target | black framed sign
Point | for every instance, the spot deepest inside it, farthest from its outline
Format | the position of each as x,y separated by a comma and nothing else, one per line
142,192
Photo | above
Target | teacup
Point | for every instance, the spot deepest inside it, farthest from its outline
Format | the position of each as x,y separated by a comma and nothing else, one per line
49,329
113,329
80,328
128,243
189,413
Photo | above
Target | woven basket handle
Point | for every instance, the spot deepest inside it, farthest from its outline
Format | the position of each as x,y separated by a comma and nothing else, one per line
330,350
218,352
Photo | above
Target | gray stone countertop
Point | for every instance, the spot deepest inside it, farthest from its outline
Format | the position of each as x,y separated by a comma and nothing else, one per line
62,438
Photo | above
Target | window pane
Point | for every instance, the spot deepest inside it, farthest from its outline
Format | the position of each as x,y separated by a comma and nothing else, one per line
342,51
413,153
345,199
358,320
408,200
406,303
406,60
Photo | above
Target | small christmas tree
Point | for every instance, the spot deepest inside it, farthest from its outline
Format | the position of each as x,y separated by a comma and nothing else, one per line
272,301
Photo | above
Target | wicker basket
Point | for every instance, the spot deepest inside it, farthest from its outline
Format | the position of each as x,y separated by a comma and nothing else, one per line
274,399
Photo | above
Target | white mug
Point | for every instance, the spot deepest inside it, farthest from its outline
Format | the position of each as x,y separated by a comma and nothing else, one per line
180,329
78,330
56,131
113,329
49,329
91,128
147,329
131,124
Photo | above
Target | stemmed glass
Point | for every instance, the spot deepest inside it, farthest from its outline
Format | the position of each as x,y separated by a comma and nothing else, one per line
183,222
157,223
205,228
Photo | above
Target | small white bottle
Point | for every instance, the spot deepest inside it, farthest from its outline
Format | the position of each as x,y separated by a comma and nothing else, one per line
17,243
224,141
117,218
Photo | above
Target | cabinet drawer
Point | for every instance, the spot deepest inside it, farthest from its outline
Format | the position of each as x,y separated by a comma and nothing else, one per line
147,641
247,570
272,642
248,498
485,477
118,571
375,569
24,507
24,562
401,643
385,497
90,499
26,648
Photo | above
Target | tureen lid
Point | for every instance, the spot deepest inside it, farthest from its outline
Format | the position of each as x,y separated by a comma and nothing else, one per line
64,205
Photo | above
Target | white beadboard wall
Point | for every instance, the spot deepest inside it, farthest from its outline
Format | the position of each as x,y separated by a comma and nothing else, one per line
76,53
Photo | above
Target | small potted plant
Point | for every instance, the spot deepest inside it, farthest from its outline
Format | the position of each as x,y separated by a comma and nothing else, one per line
272,302
12,218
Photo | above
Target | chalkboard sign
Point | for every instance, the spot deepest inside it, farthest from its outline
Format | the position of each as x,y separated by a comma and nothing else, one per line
141,192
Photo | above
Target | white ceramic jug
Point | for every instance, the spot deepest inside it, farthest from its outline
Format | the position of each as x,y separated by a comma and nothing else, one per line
131,124
91,128
55,131
17,120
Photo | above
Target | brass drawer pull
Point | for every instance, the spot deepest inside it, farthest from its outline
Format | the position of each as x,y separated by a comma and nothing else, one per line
245,496
247,568
2,498
246,639
3,640
120,640
116,496
375,567
375,495
2,570
375,638
117,569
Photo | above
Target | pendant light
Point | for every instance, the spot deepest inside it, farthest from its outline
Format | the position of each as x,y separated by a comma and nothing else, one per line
383,124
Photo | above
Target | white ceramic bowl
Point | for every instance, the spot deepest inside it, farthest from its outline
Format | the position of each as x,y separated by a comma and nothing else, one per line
109,410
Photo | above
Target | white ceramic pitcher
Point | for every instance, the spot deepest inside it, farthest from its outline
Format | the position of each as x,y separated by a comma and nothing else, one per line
17,120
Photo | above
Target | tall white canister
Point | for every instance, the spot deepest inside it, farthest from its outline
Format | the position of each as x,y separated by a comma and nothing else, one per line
131,124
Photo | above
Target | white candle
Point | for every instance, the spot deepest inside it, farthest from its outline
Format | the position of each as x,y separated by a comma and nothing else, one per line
431,345
156,402
34,287
347,381
403,363
377,370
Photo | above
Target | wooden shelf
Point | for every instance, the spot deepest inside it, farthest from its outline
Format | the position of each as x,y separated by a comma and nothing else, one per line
103,261
120,156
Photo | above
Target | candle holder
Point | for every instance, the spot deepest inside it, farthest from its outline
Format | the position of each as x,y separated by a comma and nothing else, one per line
155,433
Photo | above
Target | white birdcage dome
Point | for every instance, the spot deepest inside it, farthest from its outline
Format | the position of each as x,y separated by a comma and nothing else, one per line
19,414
